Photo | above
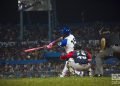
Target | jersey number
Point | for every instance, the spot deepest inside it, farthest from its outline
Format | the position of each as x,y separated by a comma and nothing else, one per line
73,41
82,57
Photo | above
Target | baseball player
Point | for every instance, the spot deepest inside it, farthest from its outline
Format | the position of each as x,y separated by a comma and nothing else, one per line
109,44
82,59
68,42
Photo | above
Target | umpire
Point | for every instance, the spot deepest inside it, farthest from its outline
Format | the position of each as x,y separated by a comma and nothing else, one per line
110,43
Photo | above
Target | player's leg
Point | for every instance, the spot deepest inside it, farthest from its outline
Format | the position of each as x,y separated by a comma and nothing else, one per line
72,70
90,72
75,72
65,70
79,73
69,68
79,67
99,65
99,61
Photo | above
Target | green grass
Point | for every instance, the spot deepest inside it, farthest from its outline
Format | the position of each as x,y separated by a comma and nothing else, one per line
56,81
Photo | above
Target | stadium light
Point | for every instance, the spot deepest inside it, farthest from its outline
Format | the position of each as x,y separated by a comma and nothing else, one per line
35,5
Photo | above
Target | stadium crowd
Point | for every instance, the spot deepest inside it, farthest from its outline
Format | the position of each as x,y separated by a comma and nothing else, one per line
36,35
31,70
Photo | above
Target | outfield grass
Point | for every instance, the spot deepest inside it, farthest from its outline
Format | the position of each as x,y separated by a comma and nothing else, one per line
68,81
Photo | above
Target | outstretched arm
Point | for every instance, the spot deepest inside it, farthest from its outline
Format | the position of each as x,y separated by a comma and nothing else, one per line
66,56
89,56
53,43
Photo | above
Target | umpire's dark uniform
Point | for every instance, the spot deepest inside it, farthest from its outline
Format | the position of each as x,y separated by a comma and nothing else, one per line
112,42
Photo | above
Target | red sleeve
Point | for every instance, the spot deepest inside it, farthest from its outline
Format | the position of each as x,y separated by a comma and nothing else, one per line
89,56
66,56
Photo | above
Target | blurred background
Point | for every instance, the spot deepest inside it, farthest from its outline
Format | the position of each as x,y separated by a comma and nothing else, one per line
32,23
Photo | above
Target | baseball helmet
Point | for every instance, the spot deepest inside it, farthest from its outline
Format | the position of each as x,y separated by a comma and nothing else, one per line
66,30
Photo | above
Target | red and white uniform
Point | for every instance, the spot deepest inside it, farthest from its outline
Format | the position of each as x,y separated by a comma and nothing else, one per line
81,60
84,56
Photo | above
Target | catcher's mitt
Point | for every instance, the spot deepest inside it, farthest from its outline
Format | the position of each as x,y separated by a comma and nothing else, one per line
103,43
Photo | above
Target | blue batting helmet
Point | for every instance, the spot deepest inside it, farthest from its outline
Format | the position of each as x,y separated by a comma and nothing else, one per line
66,30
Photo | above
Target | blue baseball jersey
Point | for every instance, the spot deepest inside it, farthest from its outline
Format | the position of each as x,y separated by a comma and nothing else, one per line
81,57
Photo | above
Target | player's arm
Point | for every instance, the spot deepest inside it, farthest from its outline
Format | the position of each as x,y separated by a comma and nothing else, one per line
67,56
62,43
103,32
100,31
54,43
89,55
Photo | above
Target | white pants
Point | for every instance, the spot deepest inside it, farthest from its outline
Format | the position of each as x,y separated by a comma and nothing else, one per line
67,68
77,66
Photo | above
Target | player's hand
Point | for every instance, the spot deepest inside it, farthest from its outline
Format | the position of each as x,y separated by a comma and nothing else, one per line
49,46
89,60
60,38
46,47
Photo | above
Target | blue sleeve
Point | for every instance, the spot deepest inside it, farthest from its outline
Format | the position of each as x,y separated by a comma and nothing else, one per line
63,42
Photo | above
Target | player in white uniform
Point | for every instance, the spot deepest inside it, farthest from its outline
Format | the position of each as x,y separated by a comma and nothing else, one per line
68,42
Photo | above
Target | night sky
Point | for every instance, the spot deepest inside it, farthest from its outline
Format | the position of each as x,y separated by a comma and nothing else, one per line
68,11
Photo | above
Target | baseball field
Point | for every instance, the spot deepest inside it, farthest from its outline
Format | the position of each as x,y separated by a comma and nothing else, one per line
57,81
